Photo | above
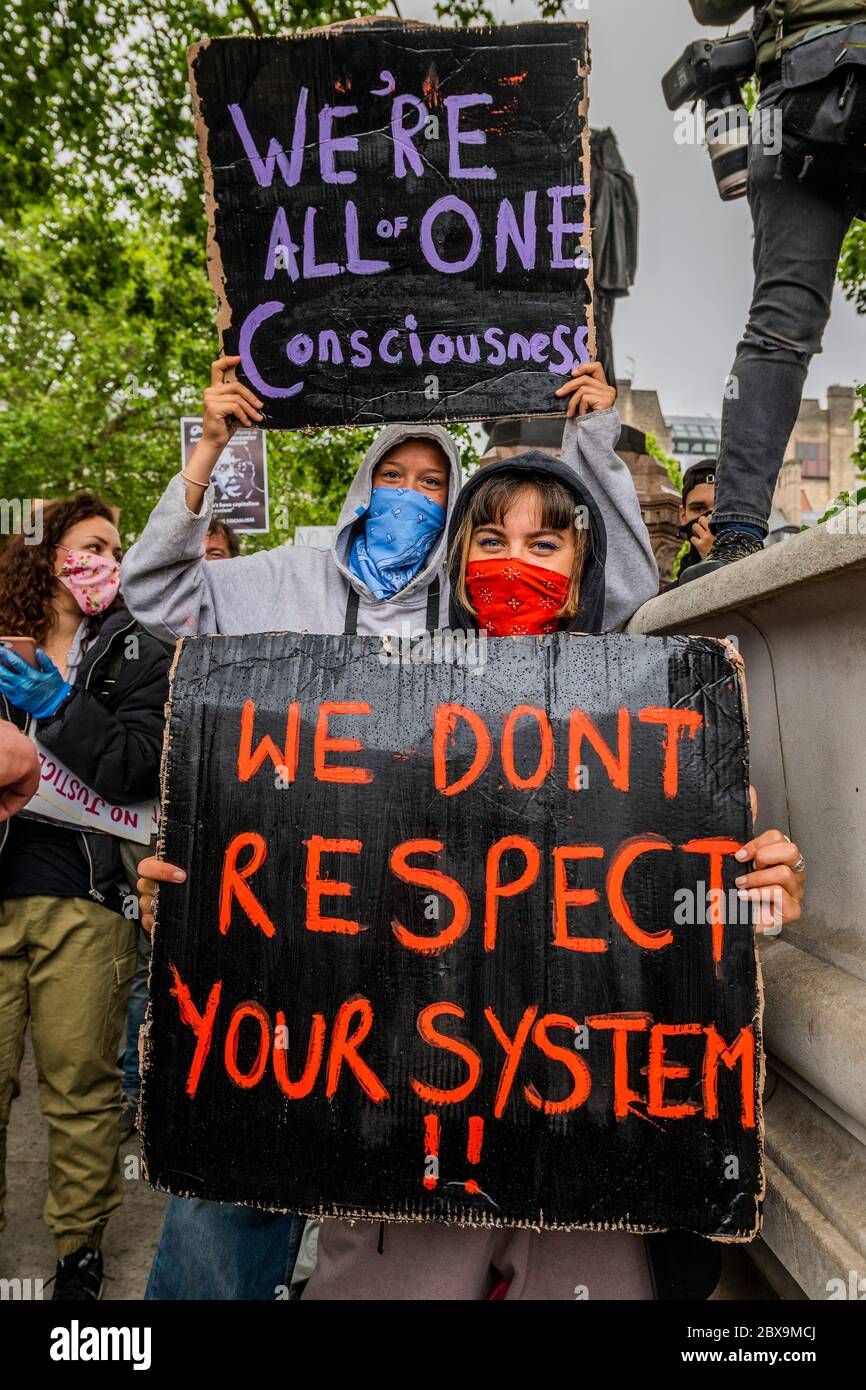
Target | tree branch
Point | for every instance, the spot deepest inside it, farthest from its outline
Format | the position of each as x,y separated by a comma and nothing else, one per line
247,7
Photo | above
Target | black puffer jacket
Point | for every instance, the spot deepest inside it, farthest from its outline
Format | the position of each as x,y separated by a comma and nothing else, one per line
109,730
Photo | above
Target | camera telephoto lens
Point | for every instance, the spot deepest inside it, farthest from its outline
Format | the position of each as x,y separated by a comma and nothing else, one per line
727,126
712,72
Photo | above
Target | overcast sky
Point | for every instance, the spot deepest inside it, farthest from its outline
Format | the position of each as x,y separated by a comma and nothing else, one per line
678,330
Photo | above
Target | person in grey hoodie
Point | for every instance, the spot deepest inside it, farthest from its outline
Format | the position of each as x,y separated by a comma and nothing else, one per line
380,575
172,591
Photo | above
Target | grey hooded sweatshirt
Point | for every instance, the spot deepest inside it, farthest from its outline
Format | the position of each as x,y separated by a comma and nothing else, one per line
174,592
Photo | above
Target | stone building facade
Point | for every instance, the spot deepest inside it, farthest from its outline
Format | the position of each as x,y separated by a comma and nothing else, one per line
818,461
642,410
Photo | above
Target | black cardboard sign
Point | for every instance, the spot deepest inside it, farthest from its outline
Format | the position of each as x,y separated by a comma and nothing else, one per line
453,945
399,219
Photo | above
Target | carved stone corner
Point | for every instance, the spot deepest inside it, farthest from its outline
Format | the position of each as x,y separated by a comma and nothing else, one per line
660,507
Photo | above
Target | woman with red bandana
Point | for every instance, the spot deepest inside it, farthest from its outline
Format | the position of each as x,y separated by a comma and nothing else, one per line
539,545
93,696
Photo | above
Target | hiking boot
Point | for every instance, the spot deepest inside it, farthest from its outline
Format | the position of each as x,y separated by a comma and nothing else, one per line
729,546
78,1276
128,1116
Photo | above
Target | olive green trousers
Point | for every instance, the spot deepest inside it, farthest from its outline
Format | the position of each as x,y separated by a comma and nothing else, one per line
65,968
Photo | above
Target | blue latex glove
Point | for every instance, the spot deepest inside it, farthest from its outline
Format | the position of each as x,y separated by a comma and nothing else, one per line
39,692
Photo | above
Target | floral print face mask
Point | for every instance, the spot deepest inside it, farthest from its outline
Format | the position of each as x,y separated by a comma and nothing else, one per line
92,580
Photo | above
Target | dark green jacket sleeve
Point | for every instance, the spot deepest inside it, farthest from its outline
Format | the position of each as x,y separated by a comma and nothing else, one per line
718,11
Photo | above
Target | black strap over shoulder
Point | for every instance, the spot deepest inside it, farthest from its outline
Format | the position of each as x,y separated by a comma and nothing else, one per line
350,624
432,619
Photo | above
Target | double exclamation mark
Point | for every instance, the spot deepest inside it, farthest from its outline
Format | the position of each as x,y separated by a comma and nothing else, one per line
431,1150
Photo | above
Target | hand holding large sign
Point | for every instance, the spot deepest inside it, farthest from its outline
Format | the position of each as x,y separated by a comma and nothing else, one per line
450,954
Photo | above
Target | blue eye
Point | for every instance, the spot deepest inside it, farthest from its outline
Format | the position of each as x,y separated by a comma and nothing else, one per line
488,541
546,545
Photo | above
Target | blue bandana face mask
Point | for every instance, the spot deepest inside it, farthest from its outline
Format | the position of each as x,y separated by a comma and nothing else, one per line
401,527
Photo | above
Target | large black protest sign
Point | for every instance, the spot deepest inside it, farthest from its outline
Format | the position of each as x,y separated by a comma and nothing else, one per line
399,219
457,940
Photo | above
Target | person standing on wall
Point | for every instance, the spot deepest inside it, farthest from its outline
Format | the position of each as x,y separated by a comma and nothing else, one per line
811,63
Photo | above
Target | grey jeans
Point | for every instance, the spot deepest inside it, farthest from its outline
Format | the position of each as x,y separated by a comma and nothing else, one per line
800,225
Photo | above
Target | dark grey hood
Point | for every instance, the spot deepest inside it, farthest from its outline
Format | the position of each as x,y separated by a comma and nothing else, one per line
533,464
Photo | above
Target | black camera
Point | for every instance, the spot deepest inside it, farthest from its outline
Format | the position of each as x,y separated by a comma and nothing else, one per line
713,71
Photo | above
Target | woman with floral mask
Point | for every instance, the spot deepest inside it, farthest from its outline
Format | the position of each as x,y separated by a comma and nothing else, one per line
94,700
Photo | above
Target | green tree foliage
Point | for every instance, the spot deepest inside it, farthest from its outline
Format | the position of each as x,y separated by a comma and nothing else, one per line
860,417
107,323
852,266
675,473
668,462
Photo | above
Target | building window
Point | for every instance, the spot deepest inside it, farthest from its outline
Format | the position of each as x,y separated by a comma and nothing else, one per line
697,439
814,458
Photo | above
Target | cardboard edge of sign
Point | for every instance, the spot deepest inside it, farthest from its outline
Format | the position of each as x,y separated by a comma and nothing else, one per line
741,1236
144,1040
213,255
736,659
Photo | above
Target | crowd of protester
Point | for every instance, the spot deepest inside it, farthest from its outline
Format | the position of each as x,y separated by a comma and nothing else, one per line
84,669
504,552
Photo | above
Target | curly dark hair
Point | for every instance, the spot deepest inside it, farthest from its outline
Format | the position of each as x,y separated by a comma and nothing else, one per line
27,584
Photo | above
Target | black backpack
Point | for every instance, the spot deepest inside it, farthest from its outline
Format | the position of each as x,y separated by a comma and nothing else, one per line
823,102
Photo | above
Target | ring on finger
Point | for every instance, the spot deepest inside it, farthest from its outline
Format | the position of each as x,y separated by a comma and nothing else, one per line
801,863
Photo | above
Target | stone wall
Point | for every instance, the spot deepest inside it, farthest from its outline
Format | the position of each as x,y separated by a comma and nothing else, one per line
798,613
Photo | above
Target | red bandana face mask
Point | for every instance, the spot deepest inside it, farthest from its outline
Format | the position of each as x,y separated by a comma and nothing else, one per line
514,599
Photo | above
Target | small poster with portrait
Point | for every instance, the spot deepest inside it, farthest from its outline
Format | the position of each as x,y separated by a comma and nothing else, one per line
240,477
